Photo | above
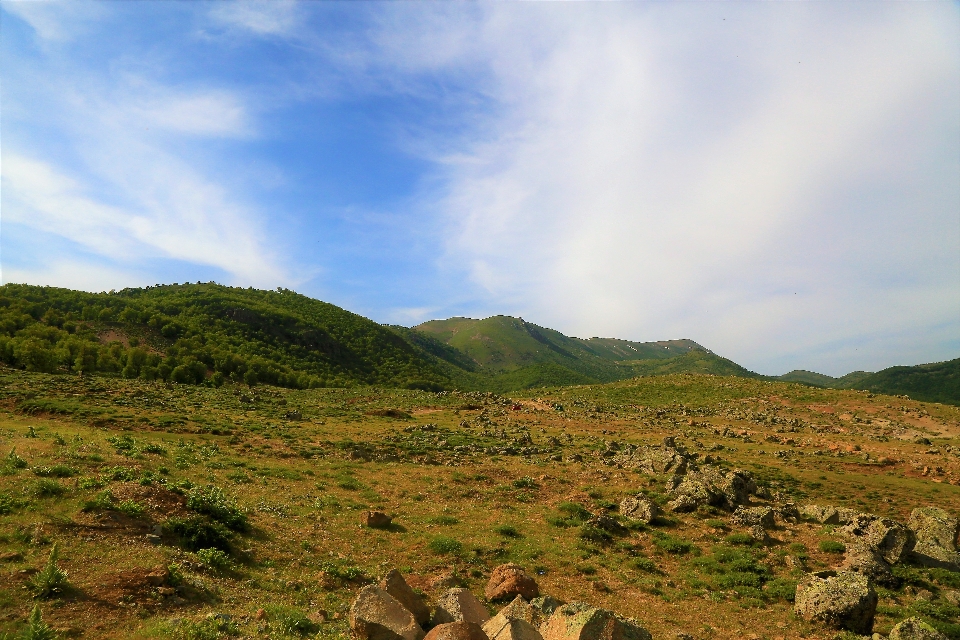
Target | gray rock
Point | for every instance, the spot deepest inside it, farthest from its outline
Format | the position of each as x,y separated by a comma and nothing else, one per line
513,622
457,631
865,560
821,514
754,517
711,485
459,605
579,621
545,606
639,508
846,600
376,615
394,584
936,535
915,629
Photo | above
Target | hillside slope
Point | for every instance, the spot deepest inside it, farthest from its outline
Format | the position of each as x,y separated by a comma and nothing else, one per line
934,382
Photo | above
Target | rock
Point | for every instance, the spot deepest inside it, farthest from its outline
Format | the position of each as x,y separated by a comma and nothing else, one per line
445,581
754,517
606,523
846,600
394,584
498,628
459,605
457,631
817,513
653,460
846,516
887,537
546,605
865,560
936,535
639,508
714,486
520,609
508,581
578,621
158,576
915,629
376,615
375,519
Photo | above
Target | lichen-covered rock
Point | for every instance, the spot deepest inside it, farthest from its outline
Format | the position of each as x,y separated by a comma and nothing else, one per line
915,629
376,615
865,560
394,584
520,609
578,621
457,631
762,517
459,605
936,535
653,459
821,514
712,485
887,537
639,508
502,627
508,581
543,607
846,600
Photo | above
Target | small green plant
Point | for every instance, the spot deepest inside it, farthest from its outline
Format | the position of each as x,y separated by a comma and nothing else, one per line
212,501
209,629
645,564
740,539
507,531
832,546
443,520
14,461
671,544
90,483
47,488
131,508
9,504
594,534
341,571
51,580
215,559
195,533
443,545
781,588
526,482
103,501
36,628
56,471
290,621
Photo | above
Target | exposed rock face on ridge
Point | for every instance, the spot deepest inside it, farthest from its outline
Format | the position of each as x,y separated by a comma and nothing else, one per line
578,621
376,615
936,532
846,600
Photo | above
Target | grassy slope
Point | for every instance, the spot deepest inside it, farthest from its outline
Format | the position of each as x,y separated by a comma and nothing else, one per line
849,381
935,382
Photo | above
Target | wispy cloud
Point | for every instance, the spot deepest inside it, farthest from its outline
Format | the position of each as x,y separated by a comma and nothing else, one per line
261,17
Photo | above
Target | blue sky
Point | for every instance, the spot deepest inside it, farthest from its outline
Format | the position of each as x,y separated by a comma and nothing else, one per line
778,181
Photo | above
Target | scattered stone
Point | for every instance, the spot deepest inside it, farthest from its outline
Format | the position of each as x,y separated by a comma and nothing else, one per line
445,581
711,485
915,629
936,533
510,580
639,508
516,621
394,584
459,605
158,576
579,621
457,631
817,513
846,600
762,517
865,560
375,519
683,636
376,615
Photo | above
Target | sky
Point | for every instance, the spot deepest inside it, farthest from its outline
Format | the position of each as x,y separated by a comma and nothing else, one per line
778,181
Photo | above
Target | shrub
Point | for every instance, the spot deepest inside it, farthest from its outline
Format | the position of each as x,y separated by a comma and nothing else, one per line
443,520
525,482
443,545
289,621
36,628
215,559
101,502
50,580
195,533
782,588
832,546
14,461
591,533
507,531
213,502
340,571
742,539
131,508
672,544
47,488
56,471
9,504
645,564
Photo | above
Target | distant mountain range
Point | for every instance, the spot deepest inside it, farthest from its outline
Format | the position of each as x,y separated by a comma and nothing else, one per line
208,333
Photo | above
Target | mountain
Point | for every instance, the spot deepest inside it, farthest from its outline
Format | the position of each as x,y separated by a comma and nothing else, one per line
849,381
934,382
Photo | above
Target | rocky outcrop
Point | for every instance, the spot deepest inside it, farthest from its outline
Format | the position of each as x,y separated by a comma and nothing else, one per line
762,517
711,485
915,629
394,584
821,514
639,508
578,621
509,581
376,615
457,631
653,459
459,605
936,535
846,600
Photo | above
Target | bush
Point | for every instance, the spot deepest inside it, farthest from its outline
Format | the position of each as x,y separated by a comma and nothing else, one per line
195,533
507,531
14,461
443,545
215,559
47,488
51,580
645,564
672,544
213,502
591,533
289,621
742,539
782,588
832,546
9,504
525,482
443,520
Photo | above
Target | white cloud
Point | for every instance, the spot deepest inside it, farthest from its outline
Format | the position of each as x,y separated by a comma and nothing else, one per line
209,113
262,17
54,21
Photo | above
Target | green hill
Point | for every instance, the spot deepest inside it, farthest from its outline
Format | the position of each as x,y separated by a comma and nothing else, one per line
849,381
934,382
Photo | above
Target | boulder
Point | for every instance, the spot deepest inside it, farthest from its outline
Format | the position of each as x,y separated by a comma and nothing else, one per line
376,615
887,537
915,629
654,460
936,535
375,519
754,517
501,627
712,485
578,621
865,560
546,605
639,508
520,609
394,584
457,631
508,581
459,605
846,600
817,513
